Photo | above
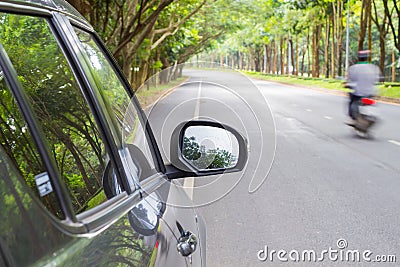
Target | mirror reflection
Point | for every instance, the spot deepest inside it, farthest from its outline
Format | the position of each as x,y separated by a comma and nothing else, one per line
145,215
210,148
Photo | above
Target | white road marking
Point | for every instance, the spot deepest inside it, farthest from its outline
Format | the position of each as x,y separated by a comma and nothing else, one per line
328,118
309,110
197,109
394,142
188,184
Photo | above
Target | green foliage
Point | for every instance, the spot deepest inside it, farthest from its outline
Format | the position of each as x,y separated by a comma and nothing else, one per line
191,149
204,159
391,90
279,25
99,198
58,106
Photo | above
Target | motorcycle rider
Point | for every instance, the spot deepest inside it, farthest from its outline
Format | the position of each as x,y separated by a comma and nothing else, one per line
362,78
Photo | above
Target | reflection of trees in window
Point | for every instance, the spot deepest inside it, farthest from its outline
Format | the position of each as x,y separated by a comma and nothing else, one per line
25,234
16,141
28,236
114,97
111,89
206,159
120,245
58,104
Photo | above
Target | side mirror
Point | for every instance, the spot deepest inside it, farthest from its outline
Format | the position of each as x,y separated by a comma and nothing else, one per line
144,218
200,148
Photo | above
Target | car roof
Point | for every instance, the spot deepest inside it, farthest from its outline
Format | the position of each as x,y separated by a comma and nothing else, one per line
48,5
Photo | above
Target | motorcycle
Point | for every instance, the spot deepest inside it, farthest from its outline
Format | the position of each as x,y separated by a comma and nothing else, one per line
365,114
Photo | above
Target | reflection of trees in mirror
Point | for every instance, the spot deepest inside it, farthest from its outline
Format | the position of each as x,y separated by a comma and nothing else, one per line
204,159
142,216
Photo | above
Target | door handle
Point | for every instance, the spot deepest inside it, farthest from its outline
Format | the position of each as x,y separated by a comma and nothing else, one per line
187,242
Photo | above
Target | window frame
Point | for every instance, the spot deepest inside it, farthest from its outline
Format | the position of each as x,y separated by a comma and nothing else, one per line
158,161
16,88
102,216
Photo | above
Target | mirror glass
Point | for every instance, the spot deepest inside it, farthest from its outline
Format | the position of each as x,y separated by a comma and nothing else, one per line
144,217
210,148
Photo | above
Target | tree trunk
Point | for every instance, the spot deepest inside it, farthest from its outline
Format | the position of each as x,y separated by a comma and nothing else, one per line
275,63
339,34
293,60
315,52
382,55
391,23
240,61
302,61
365,14
297,56
282,64
309,54
393,67
333,45
370,32
383,31
268,58
288,57
126,67
326,47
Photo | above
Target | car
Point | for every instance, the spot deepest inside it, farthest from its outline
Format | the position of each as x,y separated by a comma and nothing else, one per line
82,180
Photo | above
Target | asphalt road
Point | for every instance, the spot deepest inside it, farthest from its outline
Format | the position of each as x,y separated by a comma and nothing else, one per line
323,183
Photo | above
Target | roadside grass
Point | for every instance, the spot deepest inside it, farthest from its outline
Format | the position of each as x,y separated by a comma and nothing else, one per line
148,95
390,90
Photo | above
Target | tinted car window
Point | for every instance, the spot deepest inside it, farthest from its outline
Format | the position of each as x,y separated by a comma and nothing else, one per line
122,113
59,106
25,233
17,142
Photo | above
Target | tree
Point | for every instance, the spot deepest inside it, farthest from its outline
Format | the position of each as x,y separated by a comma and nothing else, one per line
58,106
202,159
383,29
393,15
133,30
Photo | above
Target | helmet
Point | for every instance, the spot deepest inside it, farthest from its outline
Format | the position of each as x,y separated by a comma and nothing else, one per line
363,55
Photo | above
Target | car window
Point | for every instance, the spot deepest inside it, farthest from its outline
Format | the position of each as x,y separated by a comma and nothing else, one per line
123,116
26,235
60,108
17,142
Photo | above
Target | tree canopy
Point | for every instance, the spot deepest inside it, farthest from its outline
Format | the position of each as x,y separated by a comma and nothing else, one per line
274,36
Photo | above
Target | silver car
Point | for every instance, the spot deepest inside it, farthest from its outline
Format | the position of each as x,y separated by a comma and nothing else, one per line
82,181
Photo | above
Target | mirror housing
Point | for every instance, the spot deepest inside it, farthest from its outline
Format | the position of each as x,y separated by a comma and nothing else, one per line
144,218
200,148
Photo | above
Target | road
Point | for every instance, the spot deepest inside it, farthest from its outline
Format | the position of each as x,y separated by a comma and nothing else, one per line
322,183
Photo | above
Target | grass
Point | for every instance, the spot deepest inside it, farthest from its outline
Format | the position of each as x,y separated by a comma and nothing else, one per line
391,90
148,95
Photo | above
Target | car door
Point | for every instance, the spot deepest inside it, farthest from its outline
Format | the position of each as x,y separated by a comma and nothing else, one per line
137,148
60,149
